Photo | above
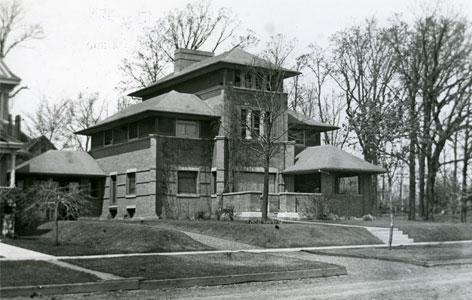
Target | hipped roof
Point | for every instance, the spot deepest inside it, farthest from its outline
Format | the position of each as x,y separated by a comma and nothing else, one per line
235,56
329,158
171,102
296,119
55,162
6,75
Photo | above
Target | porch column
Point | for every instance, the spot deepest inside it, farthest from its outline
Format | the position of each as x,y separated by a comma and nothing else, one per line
220,145
12,172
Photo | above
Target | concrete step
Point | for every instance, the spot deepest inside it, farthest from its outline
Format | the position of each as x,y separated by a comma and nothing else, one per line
383,234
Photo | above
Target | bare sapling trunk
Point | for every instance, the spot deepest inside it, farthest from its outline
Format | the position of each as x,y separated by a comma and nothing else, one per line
390,202
56,222
265,191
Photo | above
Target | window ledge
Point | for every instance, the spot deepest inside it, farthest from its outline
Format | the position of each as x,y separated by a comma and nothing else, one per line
188,195
113,206
130,196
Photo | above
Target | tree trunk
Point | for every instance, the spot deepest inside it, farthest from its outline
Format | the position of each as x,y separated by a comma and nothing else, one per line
421,186
465,166
412,182
265,192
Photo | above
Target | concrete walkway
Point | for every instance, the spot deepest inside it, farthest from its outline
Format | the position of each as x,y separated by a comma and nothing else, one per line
218,243
13,253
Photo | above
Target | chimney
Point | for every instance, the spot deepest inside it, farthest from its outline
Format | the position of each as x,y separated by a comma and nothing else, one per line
17,126
10,126
185,57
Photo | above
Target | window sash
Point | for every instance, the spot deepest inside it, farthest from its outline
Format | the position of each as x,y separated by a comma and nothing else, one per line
187,182
187,129
131,183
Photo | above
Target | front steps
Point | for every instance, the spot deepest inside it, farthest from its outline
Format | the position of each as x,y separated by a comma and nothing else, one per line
382,233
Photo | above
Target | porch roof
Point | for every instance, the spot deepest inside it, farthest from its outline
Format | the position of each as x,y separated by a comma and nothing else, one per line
330,158
55,162
296,119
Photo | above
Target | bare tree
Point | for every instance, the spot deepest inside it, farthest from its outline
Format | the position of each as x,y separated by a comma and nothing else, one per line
404,42
446,81
51,120
364,69
13,31
197,26
83,112
261,126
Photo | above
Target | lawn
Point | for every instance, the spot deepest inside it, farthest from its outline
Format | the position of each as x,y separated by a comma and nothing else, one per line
186,266
423,255
268,236
421,231
29,272
94,237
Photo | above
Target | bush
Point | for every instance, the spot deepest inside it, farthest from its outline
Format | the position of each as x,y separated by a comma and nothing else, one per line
226,213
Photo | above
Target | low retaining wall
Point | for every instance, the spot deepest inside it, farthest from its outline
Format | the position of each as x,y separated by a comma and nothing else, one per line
306,205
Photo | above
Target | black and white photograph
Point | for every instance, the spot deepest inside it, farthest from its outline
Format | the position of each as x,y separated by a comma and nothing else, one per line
218,149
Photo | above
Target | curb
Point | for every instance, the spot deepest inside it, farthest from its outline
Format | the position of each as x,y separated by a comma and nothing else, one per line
137,283
71,288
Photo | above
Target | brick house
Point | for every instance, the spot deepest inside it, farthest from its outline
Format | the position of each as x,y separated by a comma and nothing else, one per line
170,155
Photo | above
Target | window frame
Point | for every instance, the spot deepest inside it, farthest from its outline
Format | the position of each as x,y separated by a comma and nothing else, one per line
129,175
110,131
186,123
197,183
129,131
113,188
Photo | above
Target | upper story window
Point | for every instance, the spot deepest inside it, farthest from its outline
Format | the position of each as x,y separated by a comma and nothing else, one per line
108,137
248,80
184,128
132,131
252,123
237,78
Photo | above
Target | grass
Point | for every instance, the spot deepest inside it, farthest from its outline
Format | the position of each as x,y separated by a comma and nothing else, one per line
186,266
29,272
413,254
422,231
93,237
268,236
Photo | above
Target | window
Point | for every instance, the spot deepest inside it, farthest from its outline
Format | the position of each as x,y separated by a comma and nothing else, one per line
237,78
166,126
347,185
187,182
97,140
113,189
132,131
186,129
256,123
213,181
244,125
131,183
248,80
259,81
297,135
108,137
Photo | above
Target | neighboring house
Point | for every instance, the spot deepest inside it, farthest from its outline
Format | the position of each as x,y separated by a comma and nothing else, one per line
10,133
69,169
170,156
15,145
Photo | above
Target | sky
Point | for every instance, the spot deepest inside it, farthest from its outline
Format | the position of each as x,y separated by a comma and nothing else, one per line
85,40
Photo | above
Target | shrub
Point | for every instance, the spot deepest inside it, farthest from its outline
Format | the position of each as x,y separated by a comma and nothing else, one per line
226,213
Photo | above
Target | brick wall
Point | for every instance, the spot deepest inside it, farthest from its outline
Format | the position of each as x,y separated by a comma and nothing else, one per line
115,160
